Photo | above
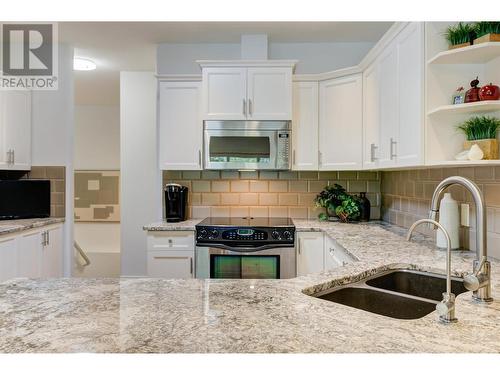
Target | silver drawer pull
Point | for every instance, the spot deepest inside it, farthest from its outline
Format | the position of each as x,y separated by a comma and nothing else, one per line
392,150
244,107
372,152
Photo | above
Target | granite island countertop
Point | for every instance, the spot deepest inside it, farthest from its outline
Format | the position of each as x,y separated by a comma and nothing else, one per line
12,226
158,315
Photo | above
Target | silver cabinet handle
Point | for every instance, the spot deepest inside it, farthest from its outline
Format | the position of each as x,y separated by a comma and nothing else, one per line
250,110
13,156
43,238
199,158
293,157
320,157
393,153
48,238
372,152
298,247
8,156
191,265
244,107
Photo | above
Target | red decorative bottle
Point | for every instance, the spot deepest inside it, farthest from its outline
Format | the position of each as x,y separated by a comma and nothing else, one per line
472,94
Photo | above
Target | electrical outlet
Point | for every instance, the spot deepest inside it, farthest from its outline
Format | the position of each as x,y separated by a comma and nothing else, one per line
464,215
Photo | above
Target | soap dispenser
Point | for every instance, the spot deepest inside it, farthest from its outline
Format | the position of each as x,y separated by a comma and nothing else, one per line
449,219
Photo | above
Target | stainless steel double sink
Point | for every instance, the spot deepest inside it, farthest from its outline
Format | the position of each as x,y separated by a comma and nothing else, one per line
400,294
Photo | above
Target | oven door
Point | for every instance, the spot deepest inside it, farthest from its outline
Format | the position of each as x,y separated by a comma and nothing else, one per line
274,263
240,149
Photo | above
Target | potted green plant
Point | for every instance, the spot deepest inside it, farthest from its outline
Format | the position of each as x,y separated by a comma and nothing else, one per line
487,32
482,130
338,204
460,35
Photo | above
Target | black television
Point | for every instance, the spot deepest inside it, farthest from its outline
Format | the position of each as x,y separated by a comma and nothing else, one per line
24,199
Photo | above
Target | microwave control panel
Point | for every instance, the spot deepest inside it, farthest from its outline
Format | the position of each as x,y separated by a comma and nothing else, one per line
283,150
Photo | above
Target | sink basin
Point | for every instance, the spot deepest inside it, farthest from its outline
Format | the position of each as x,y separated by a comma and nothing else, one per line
399,294
381,303
417,284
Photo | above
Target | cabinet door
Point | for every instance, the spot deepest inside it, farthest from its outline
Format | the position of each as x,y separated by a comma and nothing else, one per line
8,258
4,156
52,253
389,117
29,255
310,257
269,93
305,126
371,125
180,126
224,93
409,148
171,264
335,255
341,123
17,127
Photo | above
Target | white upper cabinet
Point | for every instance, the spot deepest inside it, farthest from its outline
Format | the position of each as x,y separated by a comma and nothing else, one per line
305,126
341,123
409,149
371,117
225,93
242,92
15,130
269,93
388,106
180,126
393,102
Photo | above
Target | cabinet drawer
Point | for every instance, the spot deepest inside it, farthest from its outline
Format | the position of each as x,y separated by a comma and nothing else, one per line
171,241
171,264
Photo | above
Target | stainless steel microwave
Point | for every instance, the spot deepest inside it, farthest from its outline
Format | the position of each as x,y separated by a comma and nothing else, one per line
243,145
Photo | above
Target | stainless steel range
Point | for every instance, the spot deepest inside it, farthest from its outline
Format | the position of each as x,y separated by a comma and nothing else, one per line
245,248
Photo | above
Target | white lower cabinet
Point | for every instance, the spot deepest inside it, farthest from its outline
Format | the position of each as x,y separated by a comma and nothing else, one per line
8,258
171,254
335,255
310,258
32,253
318,252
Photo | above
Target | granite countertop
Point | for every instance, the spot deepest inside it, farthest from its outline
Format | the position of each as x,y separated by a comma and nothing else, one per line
164,226
158,315
12,226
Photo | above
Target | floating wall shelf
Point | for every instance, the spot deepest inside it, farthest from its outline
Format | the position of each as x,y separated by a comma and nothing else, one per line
457,109
476,54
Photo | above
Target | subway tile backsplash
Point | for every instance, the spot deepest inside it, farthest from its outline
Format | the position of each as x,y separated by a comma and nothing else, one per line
268,193
406,198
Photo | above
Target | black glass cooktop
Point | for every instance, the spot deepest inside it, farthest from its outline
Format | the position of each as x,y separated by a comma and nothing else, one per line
247,222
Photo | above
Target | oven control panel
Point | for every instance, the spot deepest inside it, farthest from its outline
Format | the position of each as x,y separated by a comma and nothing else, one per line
280,234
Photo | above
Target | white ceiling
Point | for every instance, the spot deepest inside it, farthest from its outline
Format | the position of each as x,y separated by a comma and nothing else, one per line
117,46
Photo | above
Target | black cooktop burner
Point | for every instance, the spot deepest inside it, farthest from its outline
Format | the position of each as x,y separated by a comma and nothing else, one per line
247,222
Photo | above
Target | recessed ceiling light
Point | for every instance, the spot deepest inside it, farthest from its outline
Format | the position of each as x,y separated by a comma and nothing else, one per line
83,64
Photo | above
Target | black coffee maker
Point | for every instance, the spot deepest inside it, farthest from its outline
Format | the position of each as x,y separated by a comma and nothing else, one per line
176,197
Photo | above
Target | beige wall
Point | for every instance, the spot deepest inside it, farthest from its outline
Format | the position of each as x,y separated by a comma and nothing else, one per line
263,194
406,198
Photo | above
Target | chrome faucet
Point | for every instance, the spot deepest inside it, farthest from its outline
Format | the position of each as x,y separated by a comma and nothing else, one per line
479,281
445,308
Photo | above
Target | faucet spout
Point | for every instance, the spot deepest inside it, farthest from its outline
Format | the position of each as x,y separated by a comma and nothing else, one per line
483,294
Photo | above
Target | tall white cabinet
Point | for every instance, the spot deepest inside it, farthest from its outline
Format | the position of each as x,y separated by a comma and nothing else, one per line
180,130
340,123
305,124
393,102
15,130
247,90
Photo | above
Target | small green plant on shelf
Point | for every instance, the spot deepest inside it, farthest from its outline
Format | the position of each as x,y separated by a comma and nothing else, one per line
485,27
339,203
461,33
480,127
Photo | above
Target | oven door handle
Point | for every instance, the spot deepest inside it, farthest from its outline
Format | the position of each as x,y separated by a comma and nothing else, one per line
242,249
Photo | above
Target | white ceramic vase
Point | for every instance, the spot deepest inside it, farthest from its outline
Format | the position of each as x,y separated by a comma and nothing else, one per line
449,219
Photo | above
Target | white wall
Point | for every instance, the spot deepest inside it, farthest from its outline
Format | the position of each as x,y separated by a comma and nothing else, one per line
52,137
140,174
97,137
313,57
